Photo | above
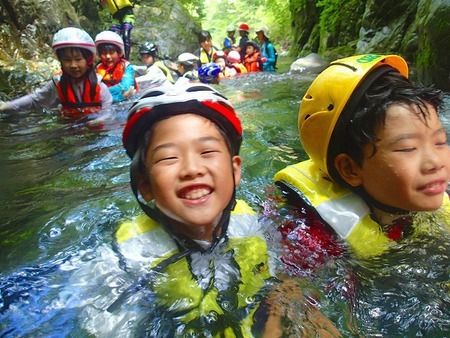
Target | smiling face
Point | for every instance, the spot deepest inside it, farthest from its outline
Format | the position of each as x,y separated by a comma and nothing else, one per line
410,169
190,173
73,62
109,55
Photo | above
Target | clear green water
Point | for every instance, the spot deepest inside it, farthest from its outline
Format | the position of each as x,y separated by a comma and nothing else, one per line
64,189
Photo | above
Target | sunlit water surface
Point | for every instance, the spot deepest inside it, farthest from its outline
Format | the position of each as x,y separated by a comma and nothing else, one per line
64,190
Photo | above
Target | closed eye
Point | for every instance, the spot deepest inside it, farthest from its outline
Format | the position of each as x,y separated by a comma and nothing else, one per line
166,159
405,150
209,152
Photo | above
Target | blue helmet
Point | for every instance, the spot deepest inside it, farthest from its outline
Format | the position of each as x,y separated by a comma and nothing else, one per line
208,72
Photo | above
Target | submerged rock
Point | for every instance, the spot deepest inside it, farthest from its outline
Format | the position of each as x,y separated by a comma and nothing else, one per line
312,63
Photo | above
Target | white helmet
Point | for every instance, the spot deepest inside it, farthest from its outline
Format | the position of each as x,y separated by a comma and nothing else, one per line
187,59
73,37
231,28
263,29
112,38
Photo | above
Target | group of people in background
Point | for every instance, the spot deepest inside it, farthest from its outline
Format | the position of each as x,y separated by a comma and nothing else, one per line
84,86
238,57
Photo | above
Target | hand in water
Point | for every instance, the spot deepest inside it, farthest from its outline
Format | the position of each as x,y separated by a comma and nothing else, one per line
129,93
292,314
3,106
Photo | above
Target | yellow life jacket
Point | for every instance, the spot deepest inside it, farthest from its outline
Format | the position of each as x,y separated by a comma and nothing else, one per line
344,211
206,57
115,5
145,243
165,70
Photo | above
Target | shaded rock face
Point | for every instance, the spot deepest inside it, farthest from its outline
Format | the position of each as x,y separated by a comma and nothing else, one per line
27,28
418,30
168,25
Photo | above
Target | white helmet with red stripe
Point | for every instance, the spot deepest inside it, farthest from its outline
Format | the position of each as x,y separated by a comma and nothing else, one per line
73,37
158,103
110,38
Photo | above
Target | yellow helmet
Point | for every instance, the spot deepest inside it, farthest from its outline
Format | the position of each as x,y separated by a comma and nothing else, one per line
333,92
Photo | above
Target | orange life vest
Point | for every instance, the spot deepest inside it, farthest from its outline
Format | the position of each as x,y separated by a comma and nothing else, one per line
72,106
253,62
112,75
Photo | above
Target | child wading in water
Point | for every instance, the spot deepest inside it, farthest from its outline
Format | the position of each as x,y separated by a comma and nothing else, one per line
78,89
378,152
207,252
116,72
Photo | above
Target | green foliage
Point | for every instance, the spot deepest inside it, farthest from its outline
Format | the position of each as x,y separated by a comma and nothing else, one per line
195,7
329,15
274,14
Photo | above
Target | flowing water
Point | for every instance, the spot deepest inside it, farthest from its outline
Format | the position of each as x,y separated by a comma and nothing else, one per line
64,190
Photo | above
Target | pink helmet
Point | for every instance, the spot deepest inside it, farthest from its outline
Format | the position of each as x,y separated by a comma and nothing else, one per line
73,37
112,38
234,56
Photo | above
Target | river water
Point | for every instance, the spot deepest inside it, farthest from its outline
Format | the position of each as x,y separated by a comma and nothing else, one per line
64,190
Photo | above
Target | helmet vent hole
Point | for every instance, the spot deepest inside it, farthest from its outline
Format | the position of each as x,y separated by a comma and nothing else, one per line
308,96
330,107
307,117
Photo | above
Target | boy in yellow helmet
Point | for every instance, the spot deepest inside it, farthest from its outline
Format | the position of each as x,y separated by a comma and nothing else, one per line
378,152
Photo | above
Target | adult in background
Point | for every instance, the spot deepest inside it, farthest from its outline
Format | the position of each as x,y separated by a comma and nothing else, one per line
206,50
267,50
230,39
244,30
123,20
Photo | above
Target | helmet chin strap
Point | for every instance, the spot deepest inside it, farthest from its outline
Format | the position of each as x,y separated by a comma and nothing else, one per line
371,202
184,242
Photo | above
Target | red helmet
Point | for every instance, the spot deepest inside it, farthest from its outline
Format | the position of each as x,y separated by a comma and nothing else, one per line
244,27
156,104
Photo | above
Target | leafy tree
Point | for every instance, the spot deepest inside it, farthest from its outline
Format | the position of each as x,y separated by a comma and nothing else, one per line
274,14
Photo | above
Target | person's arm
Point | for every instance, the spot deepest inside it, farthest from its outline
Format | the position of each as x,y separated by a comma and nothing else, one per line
127,82
154,77
270,53
105,96
140,70
44,97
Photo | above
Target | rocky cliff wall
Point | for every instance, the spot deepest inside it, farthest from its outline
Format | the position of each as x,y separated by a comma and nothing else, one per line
419,30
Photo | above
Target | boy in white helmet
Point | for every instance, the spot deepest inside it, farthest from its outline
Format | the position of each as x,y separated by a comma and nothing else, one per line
187,68
78,89
378,152
208,258
116,72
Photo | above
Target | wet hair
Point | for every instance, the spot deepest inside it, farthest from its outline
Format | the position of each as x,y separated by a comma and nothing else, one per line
360,127
203,36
